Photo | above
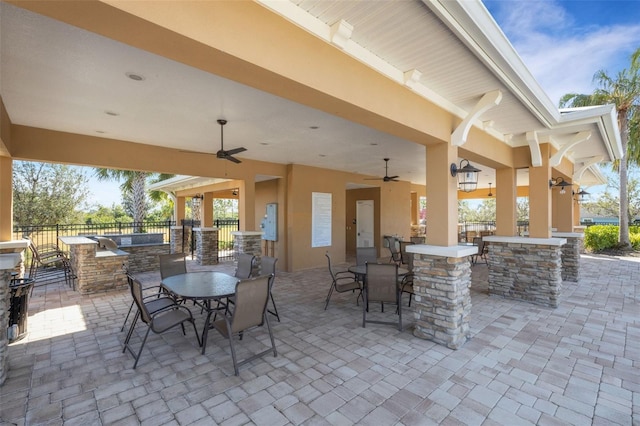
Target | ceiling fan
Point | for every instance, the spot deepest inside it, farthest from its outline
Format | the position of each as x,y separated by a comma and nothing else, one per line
386,177
229,154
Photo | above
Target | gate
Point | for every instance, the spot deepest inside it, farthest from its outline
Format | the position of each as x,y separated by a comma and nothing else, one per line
225,239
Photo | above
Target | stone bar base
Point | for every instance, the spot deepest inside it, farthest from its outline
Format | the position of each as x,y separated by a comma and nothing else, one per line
571,254
442,277
526,269
7,264
249,242
97,271
206,246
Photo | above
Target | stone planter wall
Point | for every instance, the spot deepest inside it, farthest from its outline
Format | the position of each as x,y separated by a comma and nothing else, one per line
249,242
176,240
206,246
442,299
571,259
526,271
5,276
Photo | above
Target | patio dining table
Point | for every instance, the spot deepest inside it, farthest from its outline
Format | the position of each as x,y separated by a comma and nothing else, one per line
202,287
361,270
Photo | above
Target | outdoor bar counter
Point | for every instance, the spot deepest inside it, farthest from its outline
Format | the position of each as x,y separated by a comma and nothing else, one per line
96,270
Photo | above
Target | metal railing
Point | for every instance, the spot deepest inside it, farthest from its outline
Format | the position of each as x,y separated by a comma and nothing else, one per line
225,238
43,235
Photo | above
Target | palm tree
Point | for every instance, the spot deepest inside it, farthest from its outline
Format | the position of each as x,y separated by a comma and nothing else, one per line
624,93
135,184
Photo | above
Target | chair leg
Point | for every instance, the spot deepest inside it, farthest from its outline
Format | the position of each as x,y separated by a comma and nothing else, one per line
233,352
275,310
131,327
127,317
399,311
329,296
193,323
135,364
273,342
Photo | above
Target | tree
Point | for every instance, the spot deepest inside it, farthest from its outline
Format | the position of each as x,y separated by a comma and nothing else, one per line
607,203
135,186
47,194
624,92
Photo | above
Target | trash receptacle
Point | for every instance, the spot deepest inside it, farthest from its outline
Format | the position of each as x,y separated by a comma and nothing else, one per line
20,288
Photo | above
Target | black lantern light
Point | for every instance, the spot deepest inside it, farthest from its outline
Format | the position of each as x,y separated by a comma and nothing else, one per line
467,176
559,182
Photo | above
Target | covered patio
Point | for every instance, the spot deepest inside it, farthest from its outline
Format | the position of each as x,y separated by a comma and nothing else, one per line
524,364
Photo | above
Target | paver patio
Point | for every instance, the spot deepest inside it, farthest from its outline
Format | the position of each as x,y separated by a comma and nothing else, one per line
525,364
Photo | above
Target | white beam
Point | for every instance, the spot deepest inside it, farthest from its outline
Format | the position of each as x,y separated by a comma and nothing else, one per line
341,32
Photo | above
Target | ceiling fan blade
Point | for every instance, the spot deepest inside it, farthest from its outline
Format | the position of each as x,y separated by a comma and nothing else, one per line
392,177
235,151
233,159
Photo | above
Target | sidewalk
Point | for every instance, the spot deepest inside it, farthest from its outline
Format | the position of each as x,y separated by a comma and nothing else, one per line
525,364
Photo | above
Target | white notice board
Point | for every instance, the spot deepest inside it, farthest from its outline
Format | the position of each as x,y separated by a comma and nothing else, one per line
320,219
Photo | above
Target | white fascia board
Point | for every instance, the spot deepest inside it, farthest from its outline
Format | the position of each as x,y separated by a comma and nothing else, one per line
606,118
180,179
311,24
474,26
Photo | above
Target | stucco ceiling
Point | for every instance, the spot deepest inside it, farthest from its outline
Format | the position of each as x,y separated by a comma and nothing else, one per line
63,78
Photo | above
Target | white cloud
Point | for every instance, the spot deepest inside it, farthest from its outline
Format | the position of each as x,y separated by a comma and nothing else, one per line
562,56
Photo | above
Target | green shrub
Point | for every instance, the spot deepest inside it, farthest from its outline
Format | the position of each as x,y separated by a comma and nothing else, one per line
602,237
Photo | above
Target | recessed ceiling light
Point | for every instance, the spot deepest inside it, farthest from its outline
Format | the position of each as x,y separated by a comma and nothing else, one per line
100,131
112,113
323,155
313,127
264,143
373,144
134,76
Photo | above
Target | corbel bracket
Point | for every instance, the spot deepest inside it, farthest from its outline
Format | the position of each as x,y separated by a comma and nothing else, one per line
534,147
577,175
579,137
488,101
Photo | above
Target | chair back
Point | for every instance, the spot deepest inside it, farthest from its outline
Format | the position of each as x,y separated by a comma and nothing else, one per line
418,240
366,254
136,293
172,264
481,245
244,269
251,297
407,258
268,265
333,277
382,282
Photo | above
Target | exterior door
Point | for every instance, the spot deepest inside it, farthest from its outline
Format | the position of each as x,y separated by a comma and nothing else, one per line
364,225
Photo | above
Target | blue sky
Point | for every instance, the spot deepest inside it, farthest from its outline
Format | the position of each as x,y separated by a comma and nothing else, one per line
563,43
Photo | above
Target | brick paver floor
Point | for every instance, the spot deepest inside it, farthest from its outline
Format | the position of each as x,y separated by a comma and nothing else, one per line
577,364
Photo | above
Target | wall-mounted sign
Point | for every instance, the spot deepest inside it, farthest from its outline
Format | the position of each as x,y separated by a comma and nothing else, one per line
320,219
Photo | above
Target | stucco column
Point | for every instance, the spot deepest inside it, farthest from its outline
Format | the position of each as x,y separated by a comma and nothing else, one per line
442,195
506,202
247,204
540,197
6,198
207,210
562,210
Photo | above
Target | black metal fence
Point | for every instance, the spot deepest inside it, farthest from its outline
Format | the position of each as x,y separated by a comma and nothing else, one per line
42,235
225,238
468,230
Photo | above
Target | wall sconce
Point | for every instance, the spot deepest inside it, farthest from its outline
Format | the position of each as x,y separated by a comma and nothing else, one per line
580,195
489,194
198,197
234,192
559,182
467,176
